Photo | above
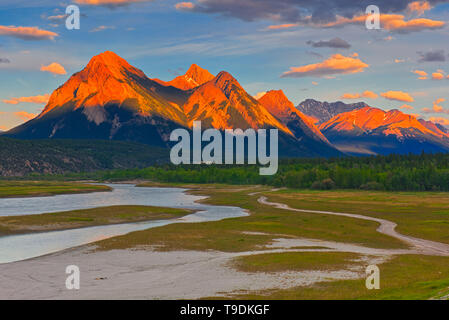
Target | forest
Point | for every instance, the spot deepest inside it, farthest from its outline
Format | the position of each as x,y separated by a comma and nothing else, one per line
424,172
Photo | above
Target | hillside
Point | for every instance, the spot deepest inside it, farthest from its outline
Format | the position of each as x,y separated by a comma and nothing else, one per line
23,157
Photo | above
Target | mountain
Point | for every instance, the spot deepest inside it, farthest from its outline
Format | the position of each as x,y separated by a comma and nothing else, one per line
435,127
300,125
112,100
278,105
375,131
193,78
321,112
53,156
222,103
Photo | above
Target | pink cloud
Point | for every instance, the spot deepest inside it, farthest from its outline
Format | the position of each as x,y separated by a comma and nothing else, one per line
42,99
184,6
418,7
54,68
398,96
282,26
366,94
27,33
25,115
391,22
422,74
108,3
336,64
437,76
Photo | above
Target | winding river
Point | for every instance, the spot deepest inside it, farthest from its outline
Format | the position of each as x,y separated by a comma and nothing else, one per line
26,246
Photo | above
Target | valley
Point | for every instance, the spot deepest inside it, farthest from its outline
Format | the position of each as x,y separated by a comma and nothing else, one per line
272,253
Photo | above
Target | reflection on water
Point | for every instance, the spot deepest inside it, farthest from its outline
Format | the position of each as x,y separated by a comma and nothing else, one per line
20,247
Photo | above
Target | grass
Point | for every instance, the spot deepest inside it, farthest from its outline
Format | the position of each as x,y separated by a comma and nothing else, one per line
419,214
11,189
297,261
85,218
406,277
230,235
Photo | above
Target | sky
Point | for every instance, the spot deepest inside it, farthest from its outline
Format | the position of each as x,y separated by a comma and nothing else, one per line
308,48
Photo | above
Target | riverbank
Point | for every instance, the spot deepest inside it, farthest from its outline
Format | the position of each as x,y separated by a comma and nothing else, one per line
86,218
19,189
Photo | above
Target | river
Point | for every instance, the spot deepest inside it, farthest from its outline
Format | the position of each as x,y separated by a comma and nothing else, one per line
26,246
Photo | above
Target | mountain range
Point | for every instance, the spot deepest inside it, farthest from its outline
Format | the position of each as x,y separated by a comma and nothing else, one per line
111,100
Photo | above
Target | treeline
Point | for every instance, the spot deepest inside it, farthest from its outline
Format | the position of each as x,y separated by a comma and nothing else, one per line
425,172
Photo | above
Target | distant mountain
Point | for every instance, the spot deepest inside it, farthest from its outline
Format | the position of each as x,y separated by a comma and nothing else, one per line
24,157
375,131
300,125
435,127
321,112
193,78
112,100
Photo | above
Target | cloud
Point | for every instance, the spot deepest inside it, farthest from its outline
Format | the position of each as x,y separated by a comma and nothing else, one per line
57,19
25,115
422,74
406,106
310,12
399,60
282,26
437,76
418,7
432,56
42,99
4,60
336,64
184,6
436,107
54,68
109,3
259,95
398,96
390,22
439,120
366,94
27,33
102,28
333,43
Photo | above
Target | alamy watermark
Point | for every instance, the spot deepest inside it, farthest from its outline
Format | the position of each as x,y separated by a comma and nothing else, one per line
73,280
73,20
188,151
372,277
372,21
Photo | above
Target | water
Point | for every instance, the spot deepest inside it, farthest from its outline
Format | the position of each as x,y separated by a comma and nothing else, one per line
21,247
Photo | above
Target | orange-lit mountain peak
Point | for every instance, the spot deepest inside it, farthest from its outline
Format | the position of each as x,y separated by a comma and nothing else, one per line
198,75
194,77
110,80
277,103
368,119
227,83
109,62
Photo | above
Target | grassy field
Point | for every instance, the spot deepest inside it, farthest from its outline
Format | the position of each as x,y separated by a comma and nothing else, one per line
406,277
11,189
297,261
230,235
85,218
419,214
